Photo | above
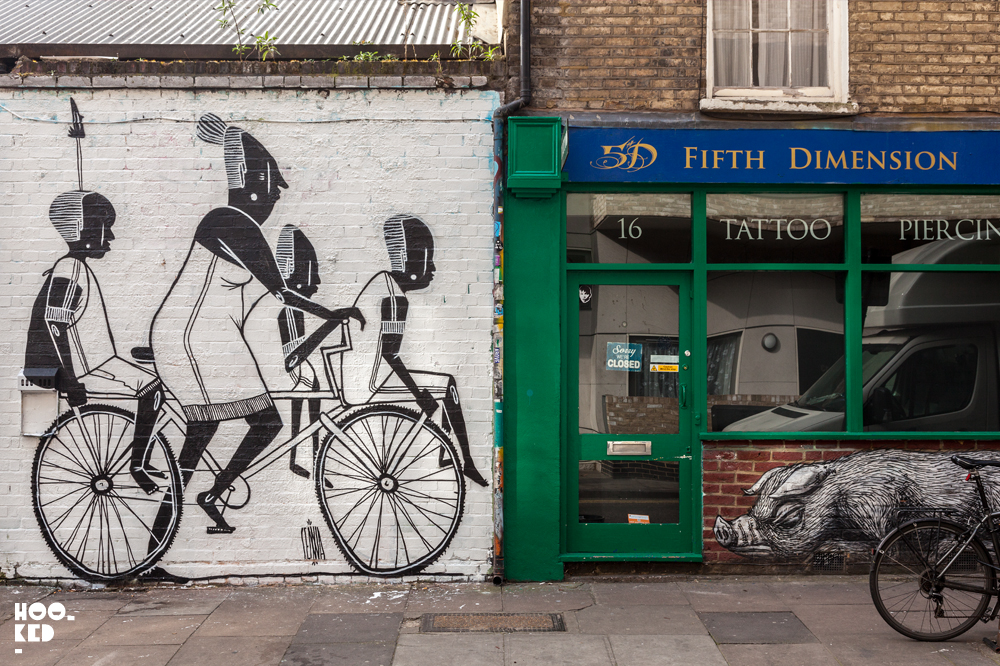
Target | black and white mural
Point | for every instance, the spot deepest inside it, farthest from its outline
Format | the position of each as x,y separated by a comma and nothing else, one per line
250,388
850,503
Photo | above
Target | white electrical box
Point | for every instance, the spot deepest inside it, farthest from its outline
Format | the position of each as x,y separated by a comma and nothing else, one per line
39,400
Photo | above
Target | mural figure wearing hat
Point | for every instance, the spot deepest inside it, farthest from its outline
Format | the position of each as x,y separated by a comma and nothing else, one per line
69,327
197,333
374,372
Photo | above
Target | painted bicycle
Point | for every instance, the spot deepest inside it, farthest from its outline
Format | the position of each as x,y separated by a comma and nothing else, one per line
388,480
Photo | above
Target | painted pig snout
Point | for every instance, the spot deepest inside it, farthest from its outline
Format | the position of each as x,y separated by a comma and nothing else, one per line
740,535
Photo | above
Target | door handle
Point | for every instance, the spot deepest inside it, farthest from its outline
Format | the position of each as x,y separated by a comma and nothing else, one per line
684,396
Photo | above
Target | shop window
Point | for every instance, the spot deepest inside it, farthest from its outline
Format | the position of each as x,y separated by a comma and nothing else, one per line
764,228
776,50
928,229
628,228
628,359
773,336
930,361
629,491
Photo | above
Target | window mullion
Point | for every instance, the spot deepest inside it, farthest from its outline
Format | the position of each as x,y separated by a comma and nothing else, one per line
853,391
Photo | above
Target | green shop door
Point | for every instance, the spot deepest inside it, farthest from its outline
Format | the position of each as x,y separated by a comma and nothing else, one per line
630,472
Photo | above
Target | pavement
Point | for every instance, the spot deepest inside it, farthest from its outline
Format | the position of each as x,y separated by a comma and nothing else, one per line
661,620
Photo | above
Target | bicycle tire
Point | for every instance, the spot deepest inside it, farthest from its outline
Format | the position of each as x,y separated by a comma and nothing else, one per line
81,474
906,587
414,483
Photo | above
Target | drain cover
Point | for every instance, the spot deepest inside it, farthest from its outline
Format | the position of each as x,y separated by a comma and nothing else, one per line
492,622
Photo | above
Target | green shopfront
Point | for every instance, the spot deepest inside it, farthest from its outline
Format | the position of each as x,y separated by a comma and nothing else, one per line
742,345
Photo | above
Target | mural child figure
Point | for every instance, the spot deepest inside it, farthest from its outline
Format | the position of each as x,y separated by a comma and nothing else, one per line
69,327
380,375
197,338
297,263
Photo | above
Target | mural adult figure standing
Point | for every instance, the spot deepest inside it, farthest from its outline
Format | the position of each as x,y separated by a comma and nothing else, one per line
197,336
374,371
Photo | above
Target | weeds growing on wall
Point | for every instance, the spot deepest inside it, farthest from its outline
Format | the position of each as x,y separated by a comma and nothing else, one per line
264,44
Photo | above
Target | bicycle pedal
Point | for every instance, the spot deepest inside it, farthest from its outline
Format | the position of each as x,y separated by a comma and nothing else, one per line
987,614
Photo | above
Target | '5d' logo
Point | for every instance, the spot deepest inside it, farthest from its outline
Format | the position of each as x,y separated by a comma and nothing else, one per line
630,156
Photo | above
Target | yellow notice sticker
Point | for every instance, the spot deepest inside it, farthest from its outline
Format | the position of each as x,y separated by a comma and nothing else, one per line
638,518
662,367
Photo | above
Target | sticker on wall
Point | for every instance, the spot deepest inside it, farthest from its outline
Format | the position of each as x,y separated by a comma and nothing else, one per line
624,356
663,363
638,519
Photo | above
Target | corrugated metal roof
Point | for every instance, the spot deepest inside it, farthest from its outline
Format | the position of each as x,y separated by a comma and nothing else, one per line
64,27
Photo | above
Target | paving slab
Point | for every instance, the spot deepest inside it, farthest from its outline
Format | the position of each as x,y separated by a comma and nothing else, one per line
151,630
349,628
639,620
83,625
119,655
846,590
176,602
339,654
665,651
766,627
81,602
454,598
969,654
449,650
811,654
543,598
34,654
231,651
19,594
867,650
557,650
261,612
731,596
830,620
362,599
638,594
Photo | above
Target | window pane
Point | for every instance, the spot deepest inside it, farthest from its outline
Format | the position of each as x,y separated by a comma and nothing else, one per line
809,59
929,229
771,14
629,491
628,228
775,339
771,59
628,359
774,227
731,14
929,351
732,59
808,14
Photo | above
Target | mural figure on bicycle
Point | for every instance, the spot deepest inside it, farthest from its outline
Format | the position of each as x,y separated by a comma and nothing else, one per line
108,490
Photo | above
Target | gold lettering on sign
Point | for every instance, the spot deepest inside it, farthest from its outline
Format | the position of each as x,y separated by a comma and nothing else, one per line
802,158
630,156
696,158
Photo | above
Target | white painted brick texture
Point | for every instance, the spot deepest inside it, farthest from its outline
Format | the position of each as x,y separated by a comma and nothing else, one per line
352,159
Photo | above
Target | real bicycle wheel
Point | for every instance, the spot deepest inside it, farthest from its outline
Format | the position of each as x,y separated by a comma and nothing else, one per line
391,491
926,584
93,515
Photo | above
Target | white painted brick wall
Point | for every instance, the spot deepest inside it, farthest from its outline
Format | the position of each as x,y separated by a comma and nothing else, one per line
352,159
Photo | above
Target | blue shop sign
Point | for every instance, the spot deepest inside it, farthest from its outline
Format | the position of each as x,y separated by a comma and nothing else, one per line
782,156
624,356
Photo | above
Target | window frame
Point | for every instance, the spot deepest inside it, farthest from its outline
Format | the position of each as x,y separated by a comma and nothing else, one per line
852,268
786,99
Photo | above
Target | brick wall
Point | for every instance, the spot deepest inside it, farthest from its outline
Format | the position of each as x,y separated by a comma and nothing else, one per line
905,57
352,159
925,57
644,55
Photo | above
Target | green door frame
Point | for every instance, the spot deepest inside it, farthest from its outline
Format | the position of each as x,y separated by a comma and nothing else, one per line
622,541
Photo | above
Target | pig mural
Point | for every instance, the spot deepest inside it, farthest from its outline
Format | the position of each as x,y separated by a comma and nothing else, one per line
849,503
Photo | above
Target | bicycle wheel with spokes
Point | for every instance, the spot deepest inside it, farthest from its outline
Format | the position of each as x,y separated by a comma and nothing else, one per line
391,489
927,583
93,515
